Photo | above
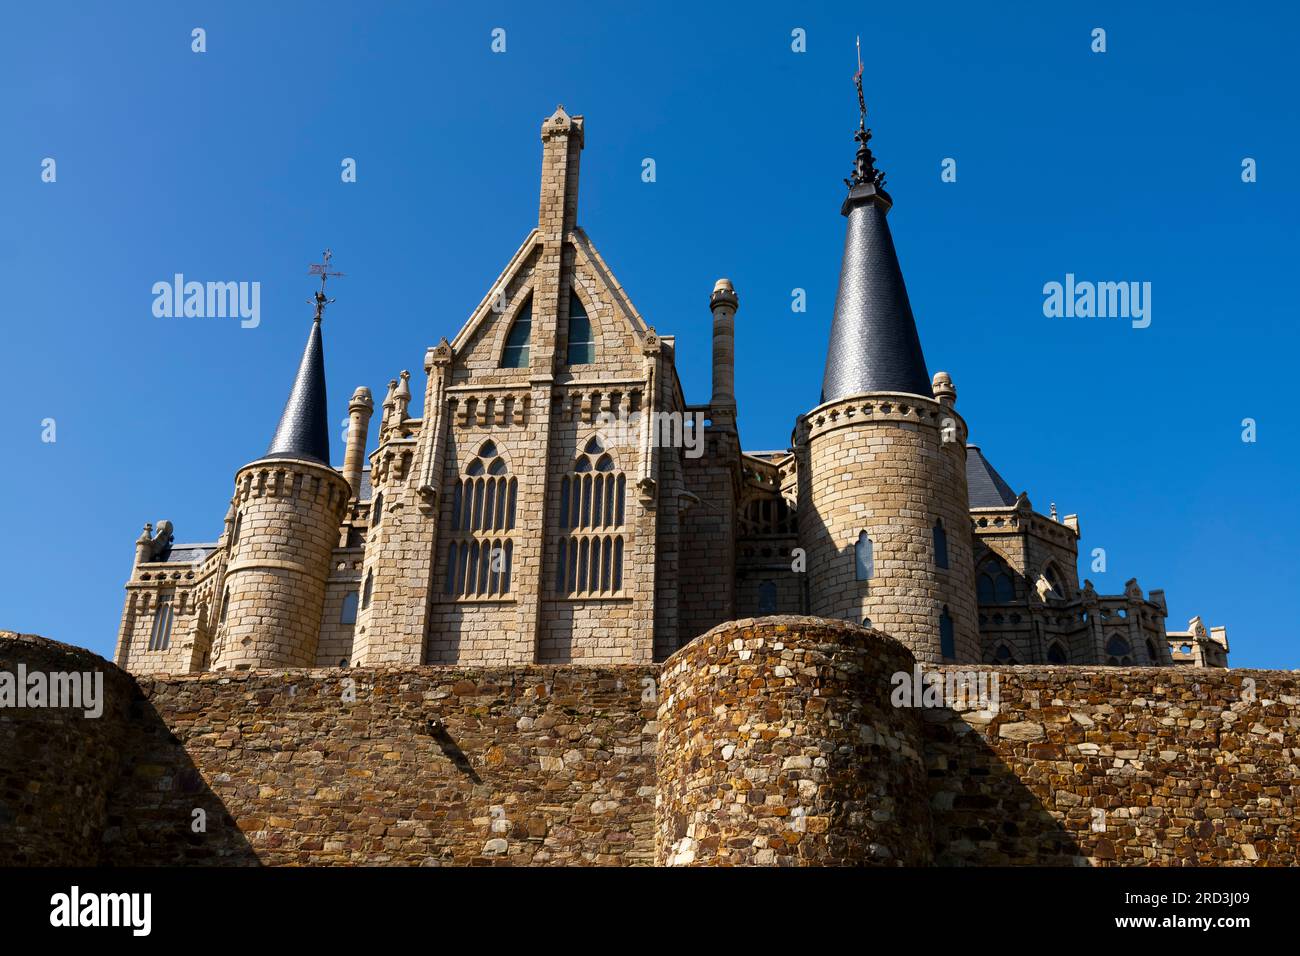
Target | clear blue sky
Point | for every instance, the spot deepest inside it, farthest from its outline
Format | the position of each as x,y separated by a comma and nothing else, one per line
225,166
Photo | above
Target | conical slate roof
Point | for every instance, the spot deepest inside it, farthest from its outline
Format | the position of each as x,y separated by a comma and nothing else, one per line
874,346
986,487
303,431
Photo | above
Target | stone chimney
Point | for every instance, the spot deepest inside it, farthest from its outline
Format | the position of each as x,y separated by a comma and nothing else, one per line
360,408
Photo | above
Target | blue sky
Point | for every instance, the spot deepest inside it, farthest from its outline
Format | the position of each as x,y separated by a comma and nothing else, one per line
225,166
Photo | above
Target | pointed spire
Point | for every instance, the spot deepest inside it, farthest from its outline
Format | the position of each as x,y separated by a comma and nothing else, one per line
303,431
874,346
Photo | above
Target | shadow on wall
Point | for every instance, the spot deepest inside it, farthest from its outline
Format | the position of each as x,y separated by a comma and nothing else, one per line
982,813
71,776
162,811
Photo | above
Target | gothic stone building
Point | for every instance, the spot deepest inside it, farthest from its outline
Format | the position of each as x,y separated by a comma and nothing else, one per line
560,501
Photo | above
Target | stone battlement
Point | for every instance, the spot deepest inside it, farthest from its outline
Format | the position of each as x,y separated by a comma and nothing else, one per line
765,741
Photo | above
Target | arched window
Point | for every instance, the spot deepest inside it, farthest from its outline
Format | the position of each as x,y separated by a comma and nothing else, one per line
993,583
947,642
366,591
940,545
234,534
377,510
1054,581
863,560
1056,653
1003,655
516,350
225,606
582,344
592,522
480,549
160,637
767,597
1152,657
1118,652
348,615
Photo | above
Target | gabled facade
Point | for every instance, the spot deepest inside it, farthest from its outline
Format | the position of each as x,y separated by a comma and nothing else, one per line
559,501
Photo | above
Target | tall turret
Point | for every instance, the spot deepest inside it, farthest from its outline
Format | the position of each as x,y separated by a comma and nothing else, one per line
723,303
360,408
883,511
288,507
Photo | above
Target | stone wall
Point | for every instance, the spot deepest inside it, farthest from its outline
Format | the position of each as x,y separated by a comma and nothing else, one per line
1128,766
769,741
419,766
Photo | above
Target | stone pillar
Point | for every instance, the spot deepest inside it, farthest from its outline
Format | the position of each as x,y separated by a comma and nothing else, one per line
360,409
889,465
724,303
289,512
751,773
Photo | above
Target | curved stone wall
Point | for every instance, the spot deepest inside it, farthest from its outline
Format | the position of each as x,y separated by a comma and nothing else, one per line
778,745
58,765
287,525
889,465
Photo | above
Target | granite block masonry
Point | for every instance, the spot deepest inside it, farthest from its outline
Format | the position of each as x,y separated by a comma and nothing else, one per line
768,741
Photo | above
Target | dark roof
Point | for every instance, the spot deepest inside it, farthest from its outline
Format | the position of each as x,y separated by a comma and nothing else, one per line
189,553
873,346
303,431
987,488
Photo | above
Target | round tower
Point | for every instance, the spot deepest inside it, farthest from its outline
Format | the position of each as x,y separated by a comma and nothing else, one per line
883,506
288,507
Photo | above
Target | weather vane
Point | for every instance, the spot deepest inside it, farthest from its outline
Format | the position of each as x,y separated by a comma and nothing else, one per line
322,269
857,79
864,166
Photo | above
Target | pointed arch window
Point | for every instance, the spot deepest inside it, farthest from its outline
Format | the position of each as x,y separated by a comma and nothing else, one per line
1119,652
947,639
377,510
589,553
940,545
1056,654
1152,657
517,342
1054,581
160,636
864,564
348,613
480,549
582,342
367,590
993,583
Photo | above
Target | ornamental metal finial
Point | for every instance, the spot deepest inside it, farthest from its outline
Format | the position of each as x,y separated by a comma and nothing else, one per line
864,166
322,269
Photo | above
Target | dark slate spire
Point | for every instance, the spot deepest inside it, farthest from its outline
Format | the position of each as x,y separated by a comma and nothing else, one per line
303,431
874,346
986,487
